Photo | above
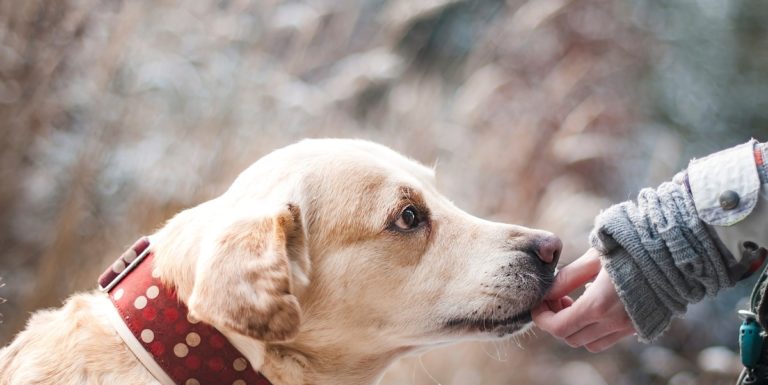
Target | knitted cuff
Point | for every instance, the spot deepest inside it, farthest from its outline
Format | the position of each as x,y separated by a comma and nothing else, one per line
649,319
659,255
649,314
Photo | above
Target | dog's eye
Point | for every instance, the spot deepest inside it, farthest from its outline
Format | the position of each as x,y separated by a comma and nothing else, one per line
409,219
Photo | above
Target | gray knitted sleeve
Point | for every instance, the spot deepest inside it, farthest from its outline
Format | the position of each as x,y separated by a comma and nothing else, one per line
659,255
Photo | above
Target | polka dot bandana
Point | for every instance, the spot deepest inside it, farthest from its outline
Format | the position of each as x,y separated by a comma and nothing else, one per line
188,351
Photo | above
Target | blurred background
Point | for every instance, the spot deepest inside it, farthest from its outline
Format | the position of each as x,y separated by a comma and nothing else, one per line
117,114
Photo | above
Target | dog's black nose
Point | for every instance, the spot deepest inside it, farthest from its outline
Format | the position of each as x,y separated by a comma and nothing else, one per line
548,248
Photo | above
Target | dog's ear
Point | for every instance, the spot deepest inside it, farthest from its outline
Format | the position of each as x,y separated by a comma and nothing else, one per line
244,280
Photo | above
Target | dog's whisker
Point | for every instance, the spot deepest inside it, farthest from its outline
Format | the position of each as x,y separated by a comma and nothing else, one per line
516,339
487,353
498,351
427,371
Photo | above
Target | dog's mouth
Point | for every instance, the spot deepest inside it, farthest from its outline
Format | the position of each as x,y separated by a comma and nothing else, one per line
491,322
501,326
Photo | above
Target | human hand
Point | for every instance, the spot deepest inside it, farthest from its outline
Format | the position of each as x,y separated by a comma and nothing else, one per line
597,320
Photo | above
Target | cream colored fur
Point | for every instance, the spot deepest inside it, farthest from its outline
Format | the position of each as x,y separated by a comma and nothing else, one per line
300,266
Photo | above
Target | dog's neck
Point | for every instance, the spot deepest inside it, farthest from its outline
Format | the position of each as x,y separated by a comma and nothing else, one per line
307,360
310,359
175,259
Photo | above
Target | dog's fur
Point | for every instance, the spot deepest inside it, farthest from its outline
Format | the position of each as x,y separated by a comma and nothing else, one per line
302,265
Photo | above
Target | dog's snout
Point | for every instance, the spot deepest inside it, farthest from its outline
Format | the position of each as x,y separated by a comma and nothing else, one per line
548,248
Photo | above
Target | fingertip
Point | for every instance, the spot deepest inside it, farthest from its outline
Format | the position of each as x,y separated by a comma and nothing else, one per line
572,344
594,349
554,305
561,285
575,275
543,319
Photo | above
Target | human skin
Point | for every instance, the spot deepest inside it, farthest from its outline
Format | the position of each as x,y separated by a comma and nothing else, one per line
596,320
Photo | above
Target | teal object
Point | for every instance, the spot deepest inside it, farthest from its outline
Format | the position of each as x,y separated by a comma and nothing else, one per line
750,342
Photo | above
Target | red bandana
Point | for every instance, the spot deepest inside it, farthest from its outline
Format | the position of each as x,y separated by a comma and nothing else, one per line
174,348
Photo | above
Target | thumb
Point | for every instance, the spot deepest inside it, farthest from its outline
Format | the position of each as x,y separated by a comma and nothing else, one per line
575,275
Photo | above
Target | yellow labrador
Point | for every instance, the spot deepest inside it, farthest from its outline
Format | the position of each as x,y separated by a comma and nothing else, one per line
323,263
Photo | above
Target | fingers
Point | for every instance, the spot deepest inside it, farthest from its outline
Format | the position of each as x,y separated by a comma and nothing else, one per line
556,305
596,320
596,332
595,337
589,334
556,315
575,275
608,341
563,323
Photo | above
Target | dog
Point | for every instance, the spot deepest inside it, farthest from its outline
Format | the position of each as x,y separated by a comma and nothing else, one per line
323,263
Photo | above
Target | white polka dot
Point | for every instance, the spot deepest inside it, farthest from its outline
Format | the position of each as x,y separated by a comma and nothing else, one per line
152,292
129,255
180,350
147,335
240,364
140,302
118,266
238,382
192,381
156,274
191,319
193,339
118,293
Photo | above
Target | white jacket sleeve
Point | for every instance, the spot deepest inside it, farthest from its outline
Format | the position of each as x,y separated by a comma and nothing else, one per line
730,191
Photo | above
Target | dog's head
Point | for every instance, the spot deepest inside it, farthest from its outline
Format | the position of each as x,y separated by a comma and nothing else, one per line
346,239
